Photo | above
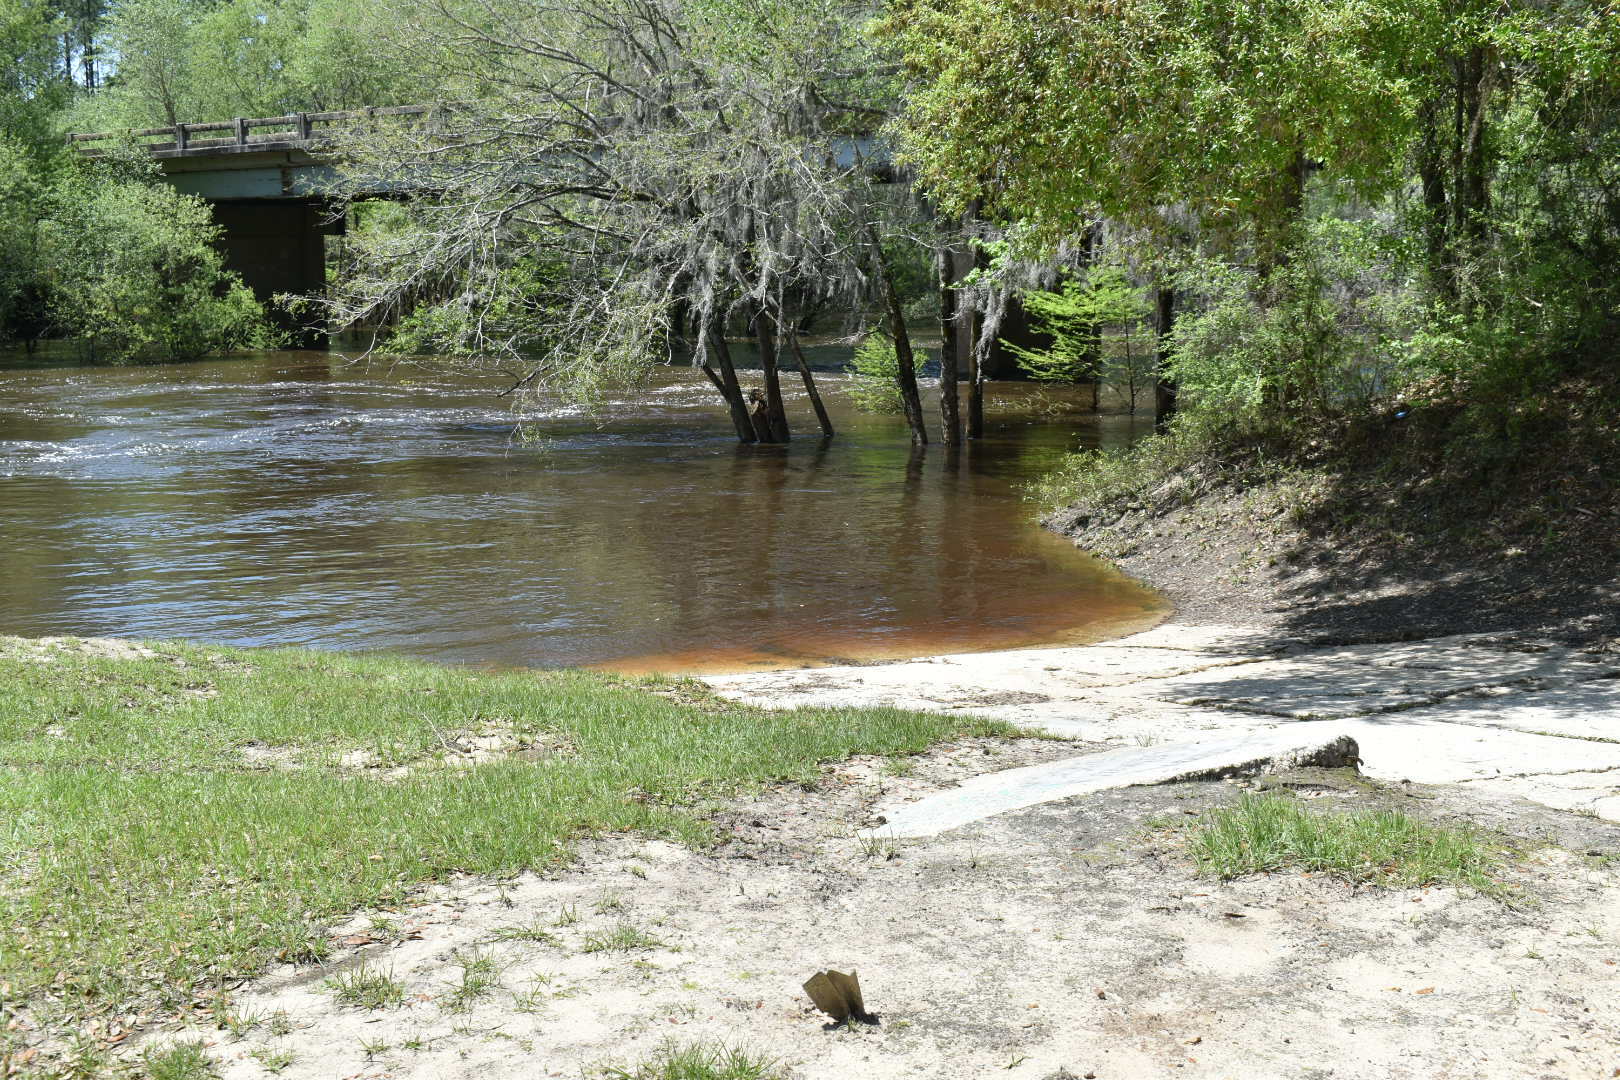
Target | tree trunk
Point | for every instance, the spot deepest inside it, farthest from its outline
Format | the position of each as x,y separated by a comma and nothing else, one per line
729,387
976,350
1436,208
1094,334
810,384
1164,386
759,415
1471,198
906,367
775,413
949,412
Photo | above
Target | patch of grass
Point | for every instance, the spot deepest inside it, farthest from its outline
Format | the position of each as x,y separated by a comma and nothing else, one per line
1275,832
366,987
178,1061
624,937
273,1060
142,856
698,1061
875,846
240,1023
480,977
532,932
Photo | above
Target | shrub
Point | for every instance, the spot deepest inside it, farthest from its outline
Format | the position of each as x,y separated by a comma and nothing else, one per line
131,271
876,367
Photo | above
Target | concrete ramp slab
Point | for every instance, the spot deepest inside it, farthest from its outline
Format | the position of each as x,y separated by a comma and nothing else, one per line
1323,744
1583,710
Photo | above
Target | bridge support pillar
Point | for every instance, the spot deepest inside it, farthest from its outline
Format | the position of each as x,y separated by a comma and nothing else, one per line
278,246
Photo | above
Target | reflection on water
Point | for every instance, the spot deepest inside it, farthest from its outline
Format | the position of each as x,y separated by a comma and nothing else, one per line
292,498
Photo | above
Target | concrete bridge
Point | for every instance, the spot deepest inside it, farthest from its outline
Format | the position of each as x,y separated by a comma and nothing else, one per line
269,180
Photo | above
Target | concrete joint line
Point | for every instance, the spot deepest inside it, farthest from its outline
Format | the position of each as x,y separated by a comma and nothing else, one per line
1538,775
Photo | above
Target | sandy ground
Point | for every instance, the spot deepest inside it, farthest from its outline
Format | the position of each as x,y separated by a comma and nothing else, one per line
1068,939
1072,939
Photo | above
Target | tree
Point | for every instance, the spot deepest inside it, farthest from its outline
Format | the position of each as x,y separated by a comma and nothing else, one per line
1074,317
682,167
1049,111
22,315
186,60
1484,132
131,270
33,84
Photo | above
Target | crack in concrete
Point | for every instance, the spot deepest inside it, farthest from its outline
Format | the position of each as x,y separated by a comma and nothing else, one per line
1537,775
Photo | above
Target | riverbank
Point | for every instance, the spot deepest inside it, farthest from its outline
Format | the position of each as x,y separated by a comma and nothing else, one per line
177,818
393,879
1240,556
1437,517
441,930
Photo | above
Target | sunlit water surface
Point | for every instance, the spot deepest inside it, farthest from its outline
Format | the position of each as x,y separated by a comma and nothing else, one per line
295,498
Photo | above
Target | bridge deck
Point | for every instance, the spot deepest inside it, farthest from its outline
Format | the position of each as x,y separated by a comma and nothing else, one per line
248,135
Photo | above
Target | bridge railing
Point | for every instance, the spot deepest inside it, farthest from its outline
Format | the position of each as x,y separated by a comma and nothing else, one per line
295,131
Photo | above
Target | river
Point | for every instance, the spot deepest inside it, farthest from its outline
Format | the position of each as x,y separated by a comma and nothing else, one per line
301,499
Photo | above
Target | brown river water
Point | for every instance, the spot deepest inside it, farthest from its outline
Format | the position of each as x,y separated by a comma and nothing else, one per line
300,499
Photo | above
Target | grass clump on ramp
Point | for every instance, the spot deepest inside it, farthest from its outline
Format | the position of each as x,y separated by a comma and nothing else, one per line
698,1061
1264,833
175,817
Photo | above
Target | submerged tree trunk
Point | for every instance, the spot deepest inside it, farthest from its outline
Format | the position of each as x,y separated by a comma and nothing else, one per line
950,416
775,412
1164,386
977,350
906,364
729,387
759,415
810,384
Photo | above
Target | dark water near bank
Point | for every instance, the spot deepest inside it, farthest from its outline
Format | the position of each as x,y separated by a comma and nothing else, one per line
293,498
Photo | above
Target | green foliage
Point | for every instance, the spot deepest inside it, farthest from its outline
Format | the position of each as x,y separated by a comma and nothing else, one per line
179,60
178,1061
874,368
131,271
1108,481
1075,318
515,302
22,193
1368,202
1272,832
33,88
1153,103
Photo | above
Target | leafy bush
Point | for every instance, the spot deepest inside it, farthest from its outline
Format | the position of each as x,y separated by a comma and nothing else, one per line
1326,334
1074,317
876,367
131,270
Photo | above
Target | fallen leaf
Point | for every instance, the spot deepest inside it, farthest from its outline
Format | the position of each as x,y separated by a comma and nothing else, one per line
1425,990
